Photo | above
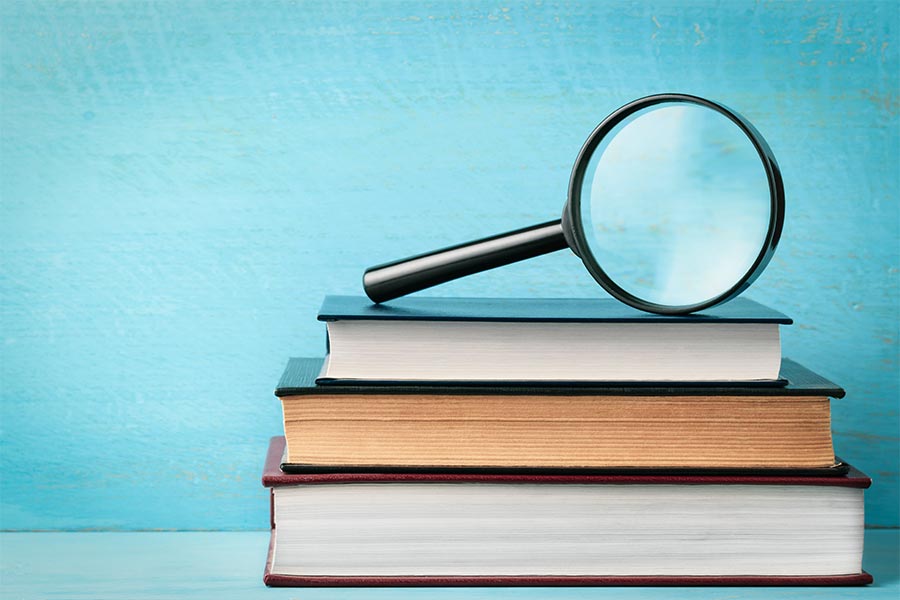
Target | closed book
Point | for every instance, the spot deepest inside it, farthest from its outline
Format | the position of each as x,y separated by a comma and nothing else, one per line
562,340
549,427
402,529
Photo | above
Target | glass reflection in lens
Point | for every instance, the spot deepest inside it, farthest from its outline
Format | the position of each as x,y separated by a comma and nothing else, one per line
675,204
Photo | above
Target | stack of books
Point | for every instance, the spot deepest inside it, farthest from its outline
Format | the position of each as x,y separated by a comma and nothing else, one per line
557,442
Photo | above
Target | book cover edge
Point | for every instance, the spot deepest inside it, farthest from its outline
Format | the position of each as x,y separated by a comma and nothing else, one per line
326,313
310,370
274,476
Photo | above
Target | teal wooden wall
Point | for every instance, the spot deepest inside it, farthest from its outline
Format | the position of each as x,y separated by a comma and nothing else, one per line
182,182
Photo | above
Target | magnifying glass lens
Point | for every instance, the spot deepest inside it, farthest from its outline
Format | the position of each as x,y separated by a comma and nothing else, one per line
675,204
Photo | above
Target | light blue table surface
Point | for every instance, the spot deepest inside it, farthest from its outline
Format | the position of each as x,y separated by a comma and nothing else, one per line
182,182
229,565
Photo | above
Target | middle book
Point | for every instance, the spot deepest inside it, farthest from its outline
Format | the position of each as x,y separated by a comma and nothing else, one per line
535,427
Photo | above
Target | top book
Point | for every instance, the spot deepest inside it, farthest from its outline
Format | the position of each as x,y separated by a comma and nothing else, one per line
565,340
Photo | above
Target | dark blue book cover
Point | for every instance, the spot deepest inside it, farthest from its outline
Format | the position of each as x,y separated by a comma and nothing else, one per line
563,310
300,375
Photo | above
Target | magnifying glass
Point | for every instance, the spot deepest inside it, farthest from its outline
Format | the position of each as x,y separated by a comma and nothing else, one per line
675,204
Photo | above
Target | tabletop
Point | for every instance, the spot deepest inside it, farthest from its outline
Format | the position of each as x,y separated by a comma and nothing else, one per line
225,565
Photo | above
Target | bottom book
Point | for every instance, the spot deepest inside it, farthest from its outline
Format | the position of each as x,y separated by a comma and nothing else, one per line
403,529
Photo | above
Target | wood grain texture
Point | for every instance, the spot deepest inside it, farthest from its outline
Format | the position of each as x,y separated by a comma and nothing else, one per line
229,565
182,183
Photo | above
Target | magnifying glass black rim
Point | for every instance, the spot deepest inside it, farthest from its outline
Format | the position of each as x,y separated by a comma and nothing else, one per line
776,197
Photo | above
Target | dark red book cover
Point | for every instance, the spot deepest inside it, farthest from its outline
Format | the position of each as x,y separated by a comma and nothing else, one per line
274,477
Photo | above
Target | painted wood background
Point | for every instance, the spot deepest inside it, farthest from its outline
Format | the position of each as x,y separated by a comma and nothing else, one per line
182,182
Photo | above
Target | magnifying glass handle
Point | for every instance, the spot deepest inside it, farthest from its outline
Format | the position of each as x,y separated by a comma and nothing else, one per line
394,279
